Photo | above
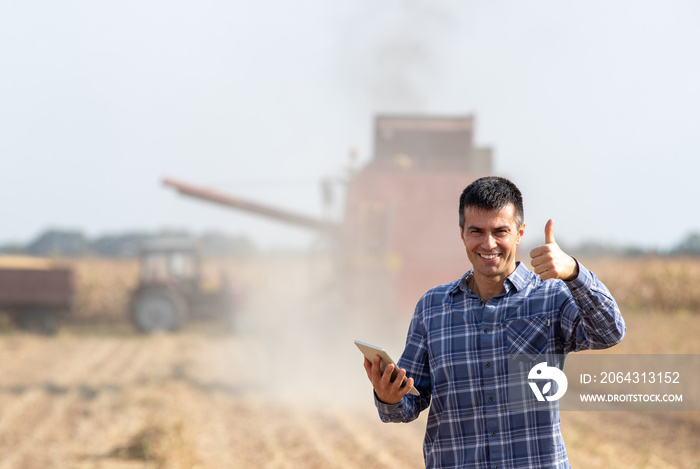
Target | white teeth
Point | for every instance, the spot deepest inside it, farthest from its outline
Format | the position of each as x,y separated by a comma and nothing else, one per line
489,256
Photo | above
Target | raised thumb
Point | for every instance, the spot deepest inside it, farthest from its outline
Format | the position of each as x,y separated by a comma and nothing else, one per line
549,232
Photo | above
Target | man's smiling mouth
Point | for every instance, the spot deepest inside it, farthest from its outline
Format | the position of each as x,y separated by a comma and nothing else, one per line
488,256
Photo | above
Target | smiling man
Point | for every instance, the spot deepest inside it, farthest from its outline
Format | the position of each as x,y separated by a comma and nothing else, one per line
462,334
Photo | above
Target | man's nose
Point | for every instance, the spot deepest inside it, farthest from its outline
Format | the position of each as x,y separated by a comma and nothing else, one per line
489,242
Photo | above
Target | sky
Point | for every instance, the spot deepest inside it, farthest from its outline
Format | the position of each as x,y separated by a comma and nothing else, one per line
591,108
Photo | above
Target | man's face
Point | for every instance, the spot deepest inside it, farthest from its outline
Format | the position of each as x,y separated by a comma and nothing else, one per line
490,238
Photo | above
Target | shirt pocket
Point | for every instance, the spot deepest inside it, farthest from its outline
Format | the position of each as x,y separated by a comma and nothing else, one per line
528,336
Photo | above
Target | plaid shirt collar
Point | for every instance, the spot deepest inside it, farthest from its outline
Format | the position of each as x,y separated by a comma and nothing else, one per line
517,280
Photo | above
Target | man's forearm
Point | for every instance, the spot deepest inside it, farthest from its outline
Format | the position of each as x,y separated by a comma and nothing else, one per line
601,323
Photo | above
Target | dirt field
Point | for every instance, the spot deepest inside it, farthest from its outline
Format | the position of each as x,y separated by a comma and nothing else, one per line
286,390
172,401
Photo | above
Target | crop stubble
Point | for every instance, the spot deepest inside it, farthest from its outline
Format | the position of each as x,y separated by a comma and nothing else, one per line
259,399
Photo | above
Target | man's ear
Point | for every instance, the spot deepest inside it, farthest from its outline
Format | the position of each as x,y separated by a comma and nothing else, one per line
521,233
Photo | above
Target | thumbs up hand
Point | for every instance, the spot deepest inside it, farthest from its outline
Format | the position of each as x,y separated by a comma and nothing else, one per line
549,261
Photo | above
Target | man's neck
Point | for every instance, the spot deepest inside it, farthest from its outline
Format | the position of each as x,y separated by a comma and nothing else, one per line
487,287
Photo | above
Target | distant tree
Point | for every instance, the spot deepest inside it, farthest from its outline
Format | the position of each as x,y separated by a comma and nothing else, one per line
600,249
59,243
72,243
12,248
595,249
690,246
124,245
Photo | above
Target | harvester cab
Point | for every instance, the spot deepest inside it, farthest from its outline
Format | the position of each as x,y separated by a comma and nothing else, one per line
172,289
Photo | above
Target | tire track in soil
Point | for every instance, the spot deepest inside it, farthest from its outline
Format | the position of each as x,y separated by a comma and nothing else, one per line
239,429
366,444
156,376
23,363
21,398
213,417
99,389
86,359
234,436
276,443
290,436
339,446
29,407
43,409
17,350
111,370
140,361
266,436
258,432
40,435
140,373
31,384
297,434
243,441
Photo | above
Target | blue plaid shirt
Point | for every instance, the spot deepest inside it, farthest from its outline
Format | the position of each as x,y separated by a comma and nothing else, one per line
457,352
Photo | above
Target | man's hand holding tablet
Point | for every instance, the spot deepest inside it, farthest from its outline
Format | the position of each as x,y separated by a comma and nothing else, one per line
389,382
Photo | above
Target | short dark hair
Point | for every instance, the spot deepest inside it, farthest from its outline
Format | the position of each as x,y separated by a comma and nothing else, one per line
491,193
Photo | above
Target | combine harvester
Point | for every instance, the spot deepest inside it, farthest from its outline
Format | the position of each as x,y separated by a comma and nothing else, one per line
400,234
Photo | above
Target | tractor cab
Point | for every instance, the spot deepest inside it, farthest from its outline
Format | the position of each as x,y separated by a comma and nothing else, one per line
170,262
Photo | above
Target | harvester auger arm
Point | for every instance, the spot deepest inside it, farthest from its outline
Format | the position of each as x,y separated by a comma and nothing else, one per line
253,207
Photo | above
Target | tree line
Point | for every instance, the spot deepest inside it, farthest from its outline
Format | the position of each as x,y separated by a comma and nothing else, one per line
74,243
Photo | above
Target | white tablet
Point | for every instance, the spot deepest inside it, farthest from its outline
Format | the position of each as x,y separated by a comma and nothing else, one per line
371,351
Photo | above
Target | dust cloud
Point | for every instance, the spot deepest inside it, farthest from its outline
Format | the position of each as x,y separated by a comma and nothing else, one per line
297,329
396,61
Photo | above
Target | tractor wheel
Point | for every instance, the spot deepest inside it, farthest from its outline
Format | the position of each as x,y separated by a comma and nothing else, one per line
158,309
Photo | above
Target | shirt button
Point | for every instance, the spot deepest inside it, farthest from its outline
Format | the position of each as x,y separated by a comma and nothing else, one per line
490,399
488,365
486,331
493,433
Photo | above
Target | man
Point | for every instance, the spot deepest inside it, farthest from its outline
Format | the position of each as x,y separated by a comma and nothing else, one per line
463,333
